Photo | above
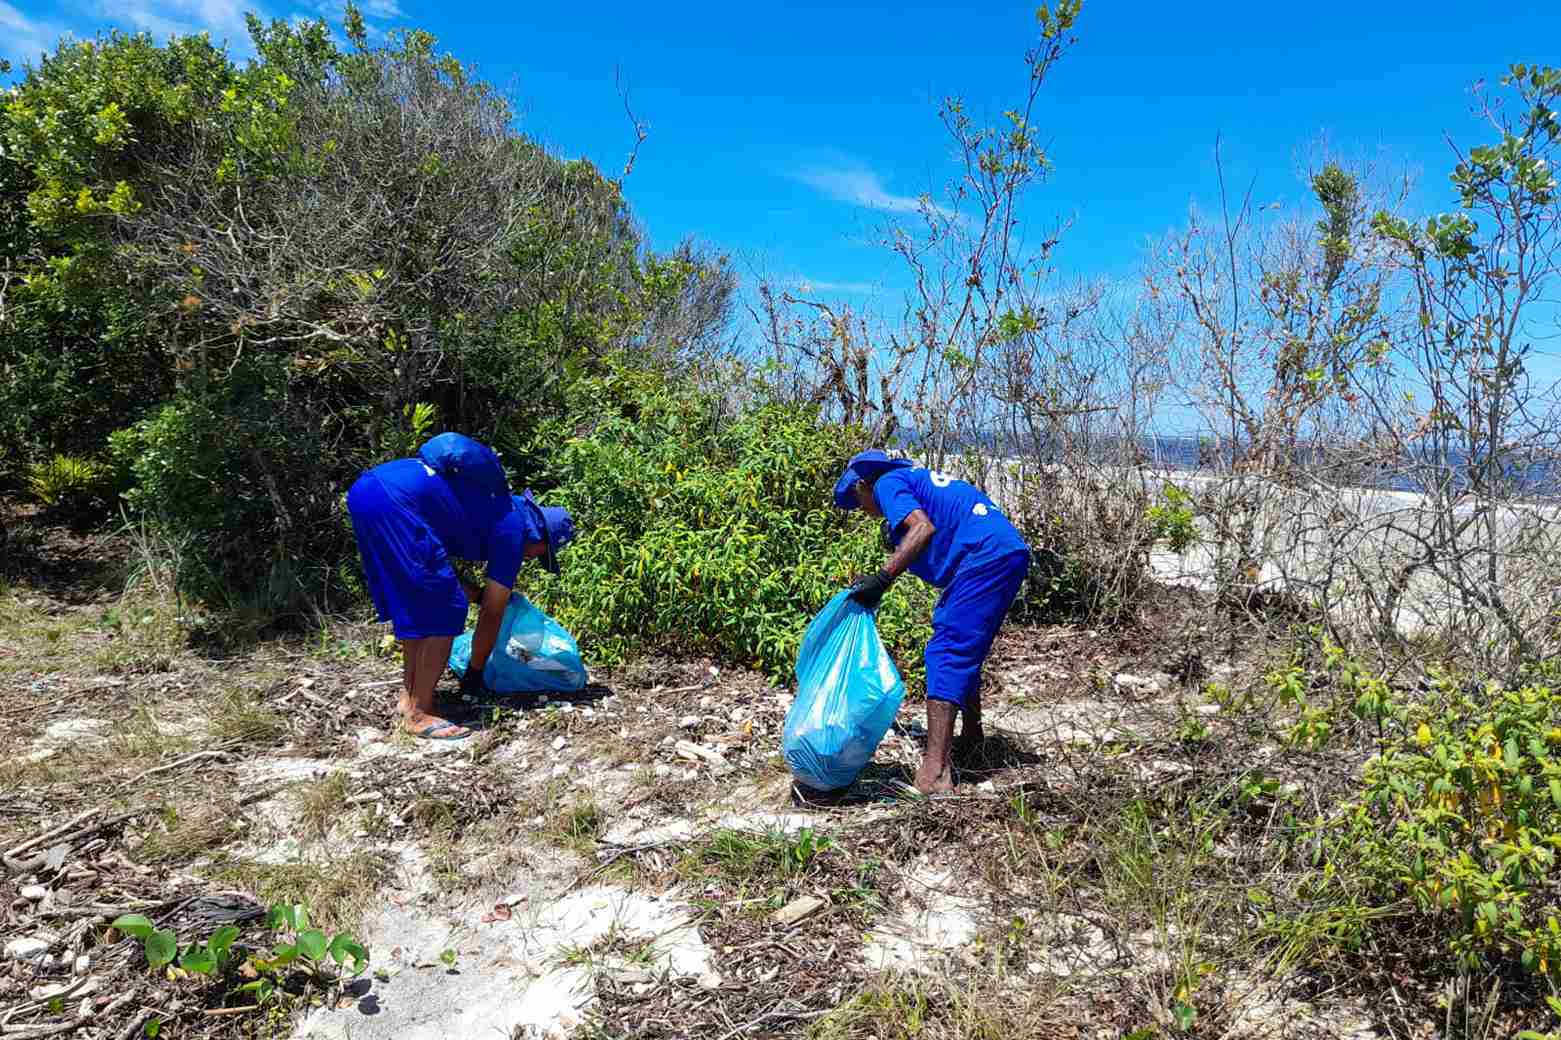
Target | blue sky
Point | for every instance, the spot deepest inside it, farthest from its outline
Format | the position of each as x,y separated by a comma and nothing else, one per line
784,134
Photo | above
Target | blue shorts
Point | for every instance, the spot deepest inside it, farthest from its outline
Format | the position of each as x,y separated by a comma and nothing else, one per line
965,622
408,571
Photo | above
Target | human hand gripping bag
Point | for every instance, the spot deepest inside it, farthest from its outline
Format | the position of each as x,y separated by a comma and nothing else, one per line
848,692
533,653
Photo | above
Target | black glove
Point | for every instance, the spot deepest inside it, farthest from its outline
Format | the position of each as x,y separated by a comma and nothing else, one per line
869,591
472,684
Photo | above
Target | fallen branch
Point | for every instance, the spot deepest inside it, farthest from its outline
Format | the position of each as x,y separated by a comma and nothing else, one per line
186,760
262,794
136,1024
24,866
617,854
52,832
680,689
796,1016
52,1029
39,1005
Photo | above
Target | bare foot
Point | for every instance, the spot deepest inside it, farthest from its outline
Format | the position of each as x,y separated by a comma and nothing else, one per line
934,779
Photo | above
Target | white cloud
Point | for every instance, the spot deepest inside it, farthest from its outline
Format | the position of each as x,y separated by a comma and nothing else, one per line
334,11
224,19
811,285
24,39
379,9
854,183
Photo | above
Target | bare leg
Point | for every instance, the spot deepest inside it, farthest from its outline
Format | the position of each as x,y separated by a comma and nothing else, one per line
971,736
424,663
936,775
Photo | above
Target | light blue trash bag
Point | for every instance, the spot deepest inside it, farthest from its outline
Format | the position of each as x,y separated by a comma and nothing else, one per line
848,691
533,653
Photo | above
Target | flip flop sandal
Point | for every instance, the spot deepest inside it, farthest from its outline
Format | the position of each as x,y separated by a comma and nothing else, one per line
428,731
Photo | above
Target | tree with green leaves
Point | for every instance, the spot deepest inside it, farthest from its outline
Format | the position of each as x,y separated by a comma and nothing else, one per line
78,344
249,283
1471,421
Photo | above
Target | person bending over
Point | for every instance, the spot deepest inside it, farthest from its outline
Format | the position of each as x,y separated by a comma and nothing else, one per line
949,534
410,517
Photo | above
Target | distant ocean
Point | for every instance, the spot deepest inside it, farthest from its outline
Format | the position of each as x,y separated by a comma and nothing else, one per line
1529,472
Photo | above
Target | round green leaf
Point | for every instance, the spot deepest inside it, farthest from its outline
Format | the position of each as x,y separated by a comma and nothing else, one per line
222,940
198,959
160,948
136,925
312,944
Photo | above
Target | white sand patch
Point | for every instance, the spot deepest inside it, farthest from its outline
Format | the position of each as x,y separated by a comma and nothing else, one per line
70,731
767,822
1259,1010
554,1005
935,919
58,736
592,914
636,832
509,978
271,770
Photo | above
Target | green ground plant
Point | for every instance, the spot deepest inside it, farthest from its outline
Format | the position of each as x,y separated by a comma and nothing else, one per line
302,948
1452,834
1172,520
69,482
750,857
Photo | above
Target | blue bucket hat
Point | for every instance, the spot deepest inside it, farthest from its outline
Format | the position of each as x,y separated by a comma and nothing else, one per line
556,524
456,455
867,465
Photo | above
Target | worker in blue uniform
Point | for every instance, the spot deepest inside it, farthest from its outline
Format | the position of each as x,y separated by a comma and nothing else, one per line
411,517
952,536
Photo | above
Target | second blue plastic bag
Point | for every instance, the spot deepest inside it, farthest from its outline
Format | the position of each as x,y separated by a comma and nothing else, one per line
848,692
534,653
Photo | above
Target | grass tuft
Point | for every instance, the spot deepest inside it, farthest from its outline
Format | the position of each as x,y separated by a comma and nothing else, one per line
242,716
578,827
320,803
186,832
337,889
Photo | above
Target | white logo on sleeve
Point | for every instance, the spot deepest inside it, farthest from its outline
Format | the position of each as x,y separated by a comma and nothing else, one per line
940,480
979,509
428,469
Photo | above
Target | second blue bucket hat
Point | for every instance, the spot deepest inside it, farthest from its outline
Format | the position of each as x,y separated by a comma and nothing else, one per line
556,522
866,465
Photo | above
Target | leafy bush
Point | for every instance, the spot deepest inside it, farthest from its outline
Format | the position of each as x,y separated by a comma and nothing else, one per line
1453,833
65,481
251,372
255,503
80,352
1171,520
709,528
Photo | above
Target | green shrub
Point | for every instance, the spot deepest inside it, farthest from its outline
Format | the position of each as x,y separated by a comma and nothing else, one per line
710,529
1453,833
67,482
254,500
1171,520
250,386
